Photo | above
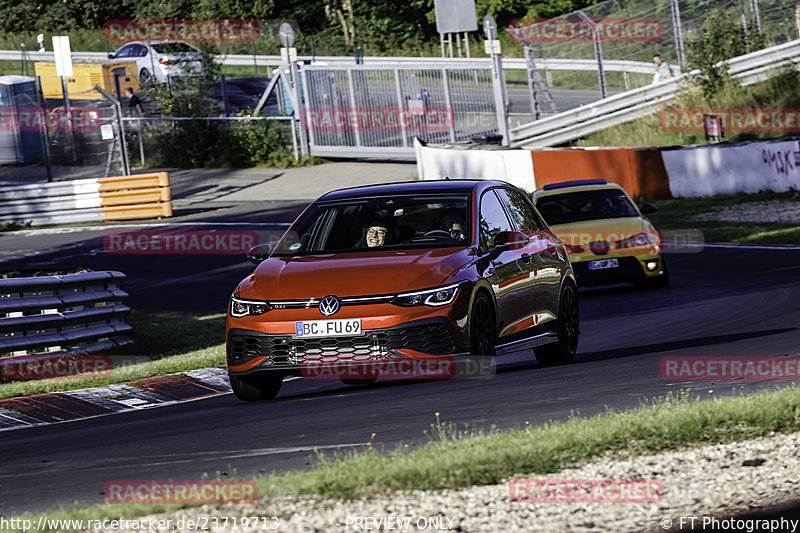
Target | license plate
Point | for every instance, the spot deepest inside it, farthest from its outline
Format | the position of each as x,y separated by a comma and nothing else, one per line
328,328
601,264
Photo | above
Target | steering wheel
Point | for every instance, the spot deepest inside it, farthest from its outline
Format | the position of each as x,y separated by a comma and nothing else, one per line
437,232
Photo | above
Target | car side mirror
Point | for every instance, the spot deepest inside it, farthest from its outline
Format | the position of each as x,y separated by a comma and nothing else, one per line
110,55
514,240
258,253
648,208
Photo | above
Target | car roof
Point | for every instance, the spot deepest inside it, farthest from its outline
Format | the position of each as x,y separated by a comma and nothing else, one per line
411,187
575,186
158,41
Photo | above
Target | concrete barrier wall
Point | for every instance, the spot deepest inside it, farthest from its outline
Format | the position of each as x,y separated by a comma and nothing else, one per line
727,169
514,165
655,172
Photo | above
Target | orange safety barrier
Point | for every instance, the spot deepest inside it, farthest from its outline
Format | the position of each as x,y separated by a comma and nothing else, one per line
638,171
136,196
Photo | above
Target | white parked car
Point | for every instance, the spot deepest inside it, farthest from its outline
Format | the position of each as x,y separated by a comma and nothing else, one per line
158,60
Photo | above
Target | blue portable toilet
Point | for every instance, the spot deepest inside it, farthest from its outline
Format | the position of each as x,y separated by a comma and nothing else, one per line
20,134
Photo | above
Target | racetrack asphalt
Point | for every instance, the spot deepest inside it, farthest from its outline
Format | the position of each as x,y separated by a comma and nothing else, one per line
723,302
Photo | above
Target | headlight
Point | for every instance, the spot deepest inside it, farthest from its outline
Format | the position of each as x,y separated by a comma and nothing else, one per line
241,307
431,297
640,239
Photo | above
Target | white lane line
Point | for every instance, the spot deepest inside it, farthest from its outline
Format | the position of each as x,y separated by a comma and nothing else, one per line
59,231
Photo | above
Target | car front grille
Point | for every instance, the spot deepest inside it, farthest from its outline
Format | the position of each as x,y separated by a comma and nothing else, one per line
283,350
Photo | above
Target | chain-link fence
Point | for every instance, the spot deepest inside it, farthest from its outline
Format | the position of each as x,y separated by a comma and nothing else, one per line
636,30
52,139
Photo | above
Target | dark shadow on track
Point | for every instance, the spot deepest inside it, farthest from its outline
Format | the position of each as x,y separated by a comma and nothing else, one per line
676,345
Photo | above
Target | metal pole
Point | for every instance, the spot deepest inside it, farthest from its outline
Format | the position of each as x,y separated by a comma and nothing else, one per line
756,14
298,108
353,102
141,141
466,43
499,88
448,102
744,25
224,94
528,49
677,31
43,131
598,53
255,64
400,106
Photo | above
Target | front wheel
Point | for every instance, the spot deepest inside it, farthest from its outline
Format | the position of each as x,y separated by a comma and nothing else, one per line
482,335
254,390
565,348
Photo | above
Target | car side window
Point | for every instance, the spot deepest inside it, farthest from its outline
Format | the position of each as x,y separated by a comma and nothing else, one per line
493,220
520,210
139,51
125,51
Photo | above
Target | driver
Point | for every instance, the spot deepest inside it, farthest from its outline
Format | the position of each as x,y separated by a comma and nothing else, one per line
377,234
451,221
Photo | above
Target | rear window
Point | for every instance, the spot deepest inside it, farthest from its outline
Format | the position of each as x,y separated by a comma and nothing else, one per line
585,205
403,221
172,48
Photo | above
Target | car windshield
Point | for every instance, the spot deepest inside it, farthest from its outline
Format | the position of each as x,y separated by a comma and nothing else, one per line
585,205
172,48
387,222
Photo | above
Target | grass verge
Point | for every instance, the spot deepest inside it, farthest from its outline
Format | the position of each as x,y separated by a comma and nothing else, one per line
678,214
778,92
459,458
164,342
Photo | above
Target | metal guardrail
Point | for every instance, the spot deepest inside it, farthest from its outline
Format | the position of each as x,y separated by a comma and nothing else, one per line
517,63
88,200
69,313
630,105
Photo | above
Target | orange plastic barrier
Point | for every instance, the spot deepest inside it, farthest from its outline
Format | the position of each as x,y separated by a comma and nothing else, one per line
135,196
638,171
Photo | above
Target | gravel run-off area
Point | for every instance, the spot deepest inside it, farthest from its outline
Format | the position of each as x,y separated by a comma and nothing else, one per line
767,211
707,482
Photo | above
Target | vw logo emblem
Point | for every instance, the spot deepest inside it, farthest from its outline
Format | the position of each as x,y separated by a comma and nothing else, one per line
329,305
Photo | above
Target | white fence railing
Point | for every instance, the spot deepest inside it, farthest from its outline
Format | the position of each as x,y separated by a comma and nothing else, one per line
273,61
630,105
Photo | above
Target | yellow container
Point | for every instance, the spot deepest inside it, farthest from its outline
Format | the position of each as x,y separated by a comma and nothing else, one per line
86,74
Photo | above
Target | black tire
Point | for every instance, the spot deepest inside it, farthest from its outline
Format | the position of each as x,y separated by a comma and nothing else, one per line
482,332
568,328
145,78
254,390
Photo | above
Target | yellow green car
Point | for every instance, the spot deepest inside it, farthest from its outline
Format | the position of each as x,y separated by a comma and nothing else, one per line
608,238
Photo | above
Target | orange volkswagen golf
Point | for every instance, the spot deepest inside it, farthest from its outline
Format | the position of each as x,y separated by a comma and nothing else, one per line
416,271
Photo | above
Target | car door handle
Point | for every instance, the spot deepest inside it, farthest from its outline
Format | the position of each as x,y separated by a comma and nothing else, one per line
526,258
